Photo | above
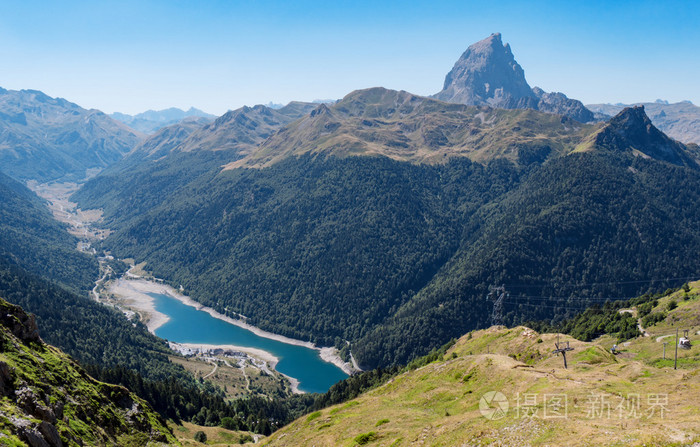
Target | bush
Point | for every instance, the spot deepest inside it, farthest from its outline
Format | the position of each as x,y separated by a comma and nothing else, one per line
313,416
381,422
364,438
229,423
672,304
200,436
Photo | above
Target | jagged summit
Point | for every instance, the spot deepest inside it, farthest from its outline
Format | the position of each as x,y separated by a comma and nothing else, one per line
632,130
488,74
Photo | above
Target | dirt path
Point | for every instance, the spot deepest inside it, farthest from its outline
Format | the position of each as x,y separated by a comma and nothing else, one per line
241,364
216,366
641,329
658,339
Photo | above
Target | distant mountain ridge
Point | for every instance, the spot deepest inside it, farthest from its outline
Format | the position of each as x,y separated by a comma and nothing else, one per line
407,127
488,74
680,120
239,131
44,138
151,120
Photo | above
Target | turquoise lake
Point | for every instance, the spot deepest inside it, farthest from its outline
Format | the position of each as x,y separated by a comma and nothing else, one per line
189,325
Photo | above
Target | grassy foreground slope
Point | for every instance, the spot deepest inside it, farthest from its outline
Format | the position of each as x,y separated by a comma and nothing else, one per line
631,398
47,399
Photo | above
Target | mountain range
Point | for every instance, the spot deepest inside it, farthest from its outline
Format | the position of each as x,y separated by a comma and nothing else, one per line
384,218
44,138
151,120
378,223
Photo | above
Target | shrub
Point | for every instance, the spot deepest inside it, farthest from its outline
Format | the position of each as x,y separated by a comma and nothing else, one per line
652,319
672,304
229,423
313,416
364,438
200,436
381,422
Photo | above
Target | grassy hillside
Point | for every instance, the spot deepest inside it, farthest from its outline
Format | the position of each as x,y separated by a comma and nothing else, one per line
47,399
606,399
406,127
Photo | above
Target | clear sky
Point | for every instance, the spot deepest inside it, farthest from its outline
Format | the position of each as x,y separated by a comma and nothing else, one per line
130,56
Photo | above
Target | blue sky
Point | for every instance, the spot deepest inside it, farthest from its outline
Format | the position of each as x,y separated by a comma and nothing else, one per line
130,56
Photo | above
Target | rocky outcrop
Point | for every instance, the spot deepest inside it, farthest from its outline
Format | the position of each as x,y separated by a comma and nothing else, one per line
488,74
47,400
680,121
21,324
560,104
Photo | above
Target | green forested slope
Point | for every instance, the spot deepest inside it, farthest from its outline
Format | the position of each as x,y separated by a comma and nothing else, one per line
314,248
33,240
581,229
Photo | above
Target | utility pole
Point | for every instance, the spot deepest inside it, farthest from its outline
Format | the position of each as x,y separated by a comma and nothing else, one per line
675,361
497,295
665,343
561,349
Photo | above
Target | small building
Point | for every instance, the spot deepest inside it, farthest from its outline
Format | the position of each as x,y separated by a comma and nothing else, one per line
684,343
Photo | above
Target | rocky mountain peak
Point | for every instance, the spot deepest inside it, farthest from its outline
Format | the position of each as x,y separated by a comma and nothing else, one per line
632,130
488,74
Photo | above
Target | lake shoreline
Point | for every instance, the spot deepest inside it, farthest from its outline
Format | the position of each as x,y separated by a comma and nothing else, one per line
136,290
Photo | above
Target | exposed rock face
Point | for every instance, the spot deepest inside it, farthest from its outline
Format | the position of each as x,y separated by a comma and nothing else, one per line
558,103
488,74
20,324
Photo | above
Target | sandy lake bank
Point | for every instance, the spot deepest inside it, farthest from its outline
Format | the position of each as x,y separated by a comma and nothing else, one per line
135,293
